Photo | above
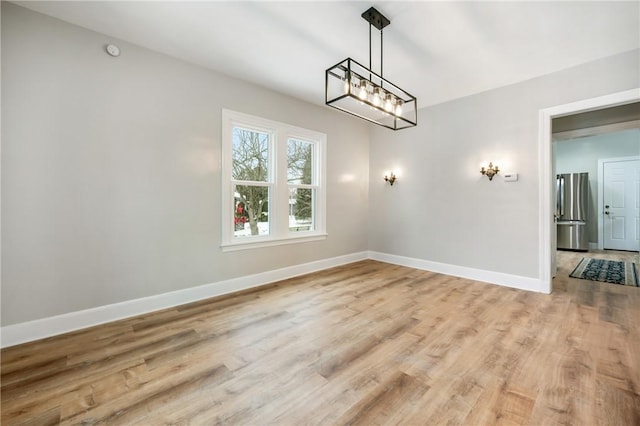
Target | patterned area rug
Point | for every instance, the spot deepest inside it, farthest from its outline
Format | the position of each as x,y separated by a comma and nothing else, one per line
608,271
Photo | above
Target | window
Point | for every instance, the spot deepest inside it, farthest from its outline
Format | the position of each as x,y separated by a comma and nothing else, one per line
272,182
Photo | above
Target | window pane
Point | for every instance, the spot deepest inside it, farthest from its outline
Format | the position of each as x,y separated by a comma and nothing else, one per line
299,162
301,208
250,155
251,211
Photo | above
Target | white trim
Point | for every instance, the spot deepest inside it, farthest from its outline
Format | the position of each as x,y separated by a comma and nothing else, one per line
593,246
305,238
499,278
46,327
545,218
545,193
601,193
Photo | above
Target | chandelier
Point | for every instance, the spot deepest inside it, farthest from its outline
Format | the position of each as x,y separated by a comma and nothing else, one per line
357,90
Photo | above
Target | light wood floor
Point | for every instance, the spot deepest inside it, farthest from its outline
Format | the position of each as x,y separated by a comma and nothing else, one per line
367,343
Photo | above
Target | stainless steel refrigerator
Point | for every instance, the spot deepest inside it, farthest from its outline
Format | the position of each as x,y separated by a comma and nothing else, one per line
572,191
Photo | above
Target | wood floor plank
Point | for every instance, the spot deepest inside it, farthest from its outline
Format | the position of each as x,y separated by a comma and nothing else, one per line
365,343
381,405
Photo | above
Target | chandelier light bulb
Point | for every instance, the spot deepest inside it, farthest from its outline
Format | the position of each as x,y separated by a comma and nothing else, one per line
388,105
377,100
369,88
347,83
362,94
399,103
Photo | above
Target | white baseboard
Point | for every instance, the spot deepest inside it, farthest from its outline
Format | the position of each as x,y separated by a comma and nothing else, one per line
46,327
507,280
593,246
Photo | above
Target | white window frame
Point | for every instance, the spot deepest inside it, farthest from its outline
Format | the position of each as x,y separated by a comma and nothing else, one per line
280,133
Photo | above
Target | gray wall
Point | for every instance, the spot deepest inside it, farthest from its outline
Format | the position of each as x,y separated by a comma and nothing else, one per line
111,171
582,155
442,209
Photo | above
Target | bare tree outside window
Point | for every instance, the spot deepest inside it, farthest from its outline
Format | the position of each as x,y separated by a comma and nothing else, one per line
250,165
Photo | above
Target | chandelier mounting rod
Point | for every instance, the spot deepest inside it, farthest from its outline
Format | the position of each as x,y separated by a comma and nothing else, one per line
378,20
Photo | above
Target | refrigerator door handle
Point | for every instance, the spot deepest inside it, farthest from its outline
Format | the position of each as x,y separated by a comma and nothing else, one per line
557,215
561,196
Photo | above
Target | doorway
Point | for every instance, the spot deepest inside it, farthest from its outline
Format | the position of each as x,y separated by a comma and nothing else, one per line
547,252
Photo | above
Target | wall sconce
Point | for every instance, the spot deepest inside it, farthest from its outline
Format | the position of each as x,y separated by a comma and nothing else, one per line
490,171
390,177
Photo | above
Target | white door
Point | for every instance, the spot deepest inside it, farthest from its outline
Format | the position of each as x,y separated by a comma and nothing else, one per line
621,205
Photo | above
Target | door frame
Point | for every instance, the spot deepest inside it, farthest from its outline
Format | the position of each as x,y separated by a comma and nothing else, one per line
545,190
601,193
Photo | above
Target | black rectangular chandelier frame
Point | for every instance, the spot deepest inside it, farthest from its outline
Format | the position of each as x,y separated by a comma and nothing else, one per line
357,90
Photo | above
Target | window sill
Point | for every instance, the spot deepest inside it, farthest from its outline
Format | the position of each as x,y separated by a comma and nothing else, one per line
249,244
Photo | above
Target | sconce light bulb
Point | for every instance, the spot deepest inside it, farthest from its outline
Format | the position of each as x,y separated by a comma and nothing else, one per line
390,177
490,171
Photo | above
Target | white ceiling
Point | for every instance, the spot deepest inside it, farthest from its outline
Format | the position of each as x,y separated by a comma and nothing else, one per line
437,51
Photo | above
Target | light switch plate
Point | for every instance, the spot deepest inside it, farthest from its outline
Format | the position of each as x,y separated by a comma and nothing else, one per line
510,177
